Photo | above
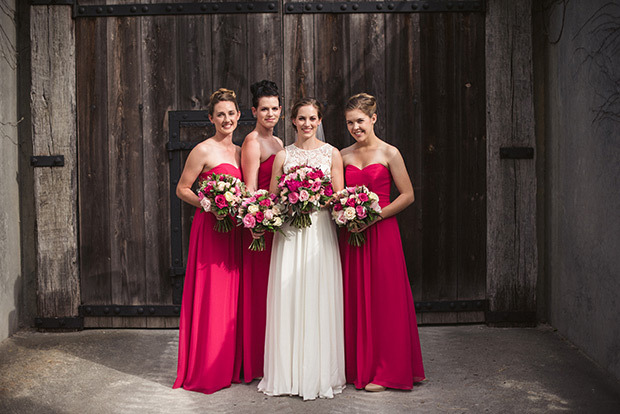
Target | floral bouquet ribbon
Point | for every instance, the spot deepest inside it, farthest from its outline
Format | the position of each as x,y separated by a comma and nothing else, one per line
221,194
355,207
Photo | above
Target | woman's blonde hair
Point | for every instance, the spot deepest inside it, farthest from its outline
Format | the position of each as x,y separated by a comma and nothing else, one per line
364,102
222,95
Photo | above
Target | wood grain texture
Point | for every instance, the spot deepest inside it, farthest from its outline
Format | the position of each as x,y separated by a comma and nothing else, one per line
299,80
193,66
126,171
159,96
53,107
94,209
512,263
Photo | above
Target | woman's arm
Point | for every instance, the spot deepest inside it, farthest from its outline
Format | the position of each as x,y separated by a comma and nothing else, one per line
402,182
337,171
193,167
277,171
250,161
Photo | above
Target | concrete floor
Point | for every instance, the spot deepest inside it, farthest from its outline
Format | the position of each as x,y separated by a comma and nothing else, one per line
470,369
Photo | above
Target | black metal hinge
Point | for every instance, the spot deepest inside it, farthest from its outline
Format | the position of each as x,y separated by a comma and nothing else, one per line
385,7
47,161
452,306
130,310
172,9
63,323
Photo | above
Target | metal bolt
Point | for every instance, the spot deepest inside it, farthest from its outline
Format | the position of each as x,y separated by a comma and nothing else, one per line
152,310
343,7
319,7
117,310
99,10
140,310
180,7
308,7
81,10
110,9
239,7
203,7
145,8
133,9
379,6
168,8
356,6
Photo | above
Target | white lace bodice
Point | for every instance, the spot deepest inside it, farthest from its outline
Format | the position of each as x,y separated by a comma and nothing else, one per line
320,157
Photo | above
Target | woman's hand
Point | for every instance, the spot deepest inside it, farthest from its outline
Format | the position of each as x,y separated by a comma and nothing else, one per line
257,234
219,216
358,229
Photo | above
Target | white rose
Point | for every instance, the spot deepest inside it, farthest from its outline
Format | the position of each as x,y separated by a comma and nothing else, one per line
373,197
229,196
277,222
253,209
205,203
269,214
221,186
349,213
340,219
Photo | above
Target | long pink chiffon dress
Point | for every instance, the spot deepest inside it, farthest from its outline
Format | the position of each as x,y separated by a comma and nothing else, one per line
254,291
382,345
209,349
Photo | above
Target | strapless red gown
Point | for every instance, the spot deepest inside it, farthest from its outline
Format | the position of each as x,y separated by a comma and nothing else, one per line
382,345
209,352
255,277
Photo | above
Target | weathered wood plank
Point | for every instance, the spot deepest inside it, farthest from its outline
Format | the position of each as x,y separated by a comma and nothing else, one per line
265,58
367,64
53,106
230,59
331,60
402,120
299,63
512,262
92,108
194,62
126,167
159,96
471,201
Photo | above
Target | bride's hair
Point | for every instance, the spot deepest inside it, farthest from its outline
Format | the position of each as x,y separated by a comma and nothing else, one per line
222,95
263,88
364,102
305,102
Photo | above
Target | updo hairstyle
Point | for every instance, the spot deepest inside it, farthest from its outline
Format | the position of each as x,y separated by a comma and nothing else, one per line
222,95
364,102
264,88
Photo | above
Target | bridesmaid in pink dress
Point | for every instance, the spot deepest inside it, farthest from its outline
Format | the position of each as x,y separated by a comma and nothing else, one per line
257,155
209,352
382,346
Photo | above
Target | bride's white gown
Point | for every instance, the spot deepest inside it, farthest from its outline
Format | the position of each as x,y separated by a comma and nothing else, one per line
304,340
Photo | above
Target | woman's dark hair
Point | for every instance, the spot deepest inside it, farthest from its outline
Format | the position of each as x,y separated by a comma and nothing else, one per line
264,88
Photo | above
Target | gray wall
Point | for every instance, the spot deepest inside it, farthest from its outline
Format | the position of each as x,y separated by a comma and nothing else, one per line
10,257
577,61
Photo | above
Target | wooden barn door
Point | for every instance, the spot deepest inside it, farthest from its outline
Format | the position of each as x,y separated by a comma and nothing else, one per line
426,69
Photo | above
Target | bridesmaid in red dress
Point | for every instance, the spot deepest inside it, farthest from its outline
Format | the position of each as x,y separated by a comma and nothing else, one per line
382,346
209,353
257,155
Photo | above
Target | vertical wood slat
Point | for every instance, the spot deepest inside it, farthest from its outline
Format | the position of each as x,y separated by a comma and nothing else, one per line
403,128
299,73
53,108
193,65
512,264
159,96
126,166
331,57
94,209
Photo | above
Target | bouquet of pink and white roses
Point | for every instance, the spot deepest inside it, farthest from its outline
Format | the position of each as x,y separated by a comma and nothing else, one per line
221,194
304,189
355,207
260,212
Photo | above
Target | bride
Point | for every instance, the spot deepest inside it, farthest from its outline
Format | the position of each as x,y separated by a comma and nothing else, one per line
304,340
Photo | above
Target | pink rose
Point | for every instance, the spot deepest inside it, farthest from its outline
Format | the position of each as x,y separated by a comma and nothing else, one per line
266,202
340,219
293,198
260,216
269,214
205,203
338,207
328,191
249,221
303,195
220,201
361,212
351,202
363,197
316,186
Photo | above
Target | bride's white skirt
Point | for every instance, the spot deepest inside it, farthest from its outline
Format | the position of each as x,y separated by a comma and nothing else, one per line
304,340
